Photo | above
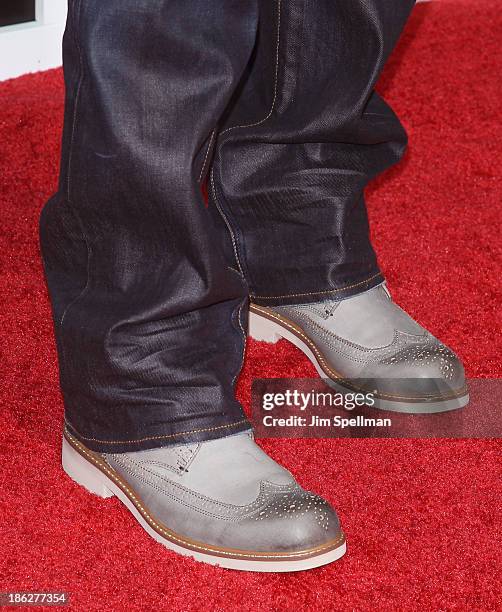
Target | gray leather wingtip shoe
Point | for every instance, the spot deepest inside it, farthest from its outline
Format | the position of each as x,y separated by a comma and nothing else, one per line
367,343
223,502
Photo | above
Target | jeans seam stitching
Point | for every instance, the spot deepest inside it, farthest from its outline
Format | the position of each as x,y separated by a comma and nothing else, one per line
244,336
207,155
77,100
276,79
227,223
181,433
76,15
275,297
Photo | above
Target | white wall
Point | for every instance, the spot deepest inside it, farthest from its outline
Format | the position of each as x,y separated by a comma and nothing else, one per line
36,45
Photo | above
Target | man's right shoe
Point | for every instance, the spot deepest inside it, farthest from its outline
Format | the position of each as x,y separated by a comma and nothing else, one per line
224,502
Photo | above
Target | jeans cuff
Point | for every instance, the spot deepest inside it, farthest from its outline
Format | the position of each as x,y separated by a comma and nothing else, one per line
335,293
144,441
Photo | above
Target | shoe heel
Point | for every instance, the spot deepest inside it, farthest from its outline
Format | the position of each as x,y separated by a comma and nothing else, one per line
83,472
261,328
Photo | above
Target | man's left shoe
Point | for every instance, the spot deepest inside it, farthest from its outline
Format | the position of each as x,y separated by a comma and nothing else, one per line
366,343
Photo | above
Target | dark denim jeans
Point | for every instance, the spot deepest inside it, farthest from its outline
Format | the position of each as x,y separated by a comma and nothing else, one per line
273,101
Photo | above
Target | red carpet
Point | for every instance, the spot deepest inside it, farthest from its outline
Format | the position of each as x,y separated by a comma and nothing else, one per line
422,517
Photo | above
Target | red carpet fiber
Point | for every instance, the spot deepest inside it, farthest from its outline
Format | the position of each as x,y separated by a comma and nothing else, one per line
422,517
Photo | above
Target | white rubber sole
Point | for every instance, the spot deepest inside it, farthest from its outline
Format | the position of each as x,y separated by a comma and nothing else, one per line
264,329
94,480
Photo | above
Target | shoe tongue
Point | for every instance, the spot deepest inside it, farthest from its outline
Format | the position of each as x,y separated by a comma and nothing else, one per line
232,470
372,318
328,307
176,458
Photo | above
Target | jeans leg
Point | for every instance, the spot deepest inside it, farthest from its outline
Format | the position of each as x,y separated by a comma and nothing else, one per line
304,136
148,316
